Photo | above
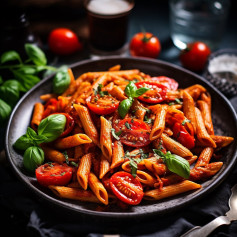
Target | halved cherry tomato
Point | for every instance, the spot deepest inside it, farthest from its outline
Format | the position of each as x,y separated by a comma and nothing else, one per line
170,83
182,136
102,104
126,188
50,107
70,123
135,132
53,174
156,94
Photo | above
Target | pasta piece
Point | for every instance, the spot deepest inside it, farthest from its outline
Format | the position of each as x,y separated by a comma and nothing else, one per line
118,93
139,109
105,138
205,172
84,170
171,190
104,167
74,194
78,152
153,165
87,123
222,141
145,178
189,109
72,86
205,156
195,91
175,147
115,68
102,80
47,97
37,115
71,141
206,115
159,123
52,154
118,155
98,189
202,134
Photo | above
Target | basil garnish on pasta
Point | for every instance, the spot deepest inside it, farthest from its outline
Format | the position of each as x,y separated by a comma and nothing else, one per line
132,92
175,163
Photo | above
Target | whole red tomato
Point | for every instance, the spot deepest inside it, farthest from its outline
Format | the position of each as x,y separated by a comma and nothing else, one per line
195,56
145,45
63,41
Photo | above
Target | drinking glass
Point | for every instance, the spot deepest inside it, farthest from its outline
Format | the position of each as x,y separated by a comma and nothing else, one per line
108,23
198,20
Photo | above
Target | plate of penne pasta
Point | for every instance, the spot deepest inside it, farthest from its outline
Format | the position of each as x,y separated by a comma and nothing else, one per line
122,137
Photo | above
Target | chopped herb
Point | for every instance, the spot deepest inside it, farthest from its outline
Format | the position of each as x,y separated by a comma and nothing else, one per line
176,101
74,164
146,97
185,121
63,173
66,157
116,134
128,126
147,120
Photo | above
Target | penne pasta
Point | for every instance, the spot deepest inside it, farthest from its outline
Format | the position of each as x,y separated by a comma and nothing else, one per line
171,190
125,142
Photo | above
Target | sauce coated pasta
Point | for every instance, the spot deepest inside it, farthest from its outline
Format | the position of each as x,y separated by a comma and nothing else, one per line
128,137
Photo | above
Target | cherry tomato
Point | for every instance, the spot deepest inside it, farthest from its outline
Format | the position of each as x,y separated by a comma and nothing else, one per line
70,123
156,94
195,56
53,174
145,45
102,105
182,136
50,107
126,188
63,41
170,83
135,132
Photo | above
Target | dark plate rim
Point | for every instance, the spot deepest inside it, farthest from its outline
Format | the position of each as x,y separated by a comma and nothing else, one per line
122,215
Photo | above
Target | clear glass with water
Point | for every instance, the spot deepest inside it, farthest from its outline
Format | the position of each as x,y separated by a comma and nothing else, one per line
198,20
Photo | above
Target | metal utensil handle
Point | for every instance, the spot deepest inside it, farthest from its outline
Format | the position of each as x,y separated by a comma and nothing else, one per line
208,228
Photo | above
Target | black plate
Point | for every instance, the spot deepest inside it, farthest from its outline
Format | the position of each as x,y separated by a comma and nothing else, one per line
224,119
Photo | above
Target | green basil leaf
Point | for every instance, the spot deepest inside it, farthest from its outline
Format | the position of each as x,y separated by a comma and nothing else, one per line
27,70
10,92
5,111
38,139
141,91
33,157
116,134
52,126
124,107
178,165
175,163
23,142
1,80
133,166
10,56
35,54
27,81
130,89
61,81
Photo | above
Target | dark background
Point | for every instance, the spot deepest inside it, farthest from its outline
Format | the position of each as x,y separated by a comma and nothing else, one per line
24,214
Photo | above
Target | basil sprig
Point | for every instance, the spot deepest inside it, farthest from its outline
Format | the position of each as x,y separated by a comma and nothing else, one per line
132,92
49,129
175,163
18,76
